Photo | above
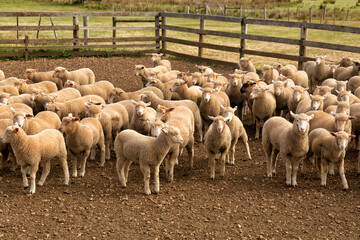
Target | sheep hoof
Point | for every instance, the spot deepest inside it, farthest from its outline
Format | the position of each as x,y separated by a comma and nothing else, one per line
323,185
40,184
345,188
26,187
148,193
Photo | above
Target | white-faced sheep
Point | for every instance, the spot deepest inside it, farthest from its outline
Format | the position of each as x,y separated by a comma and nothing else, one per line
40,98
333,122
5,148
335,85
7,98
198,79
147,151
35,77
347,96
48,86
193,93
81,76
100,88
31,150
8,113
318,71
354,83
316,102
118,94
204,69
282,95
217,142
345,73
245,64
237,131
164,87
263,107
323,90
155,101
290,140
329,147
344,62
269,74
156,58
75,106
341,107
233,91
299,77
143,113
143,72
82,137
299,94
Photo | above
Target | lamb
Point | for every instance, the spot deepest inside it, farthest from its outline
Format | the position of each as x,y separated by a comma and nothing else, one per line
237,131
193,93
11,81
183,119
299,94
36,77
130,108
9,89
143,72
245,64
333,122
143,113
335,85
318,71
164,77
2,75
330,99
5,148
155,101
81,76
8,113
164,87
341,107
113,118
48,86
33,125
347,96
247,75
263,106
322,90
279,66
269,74
357,93
147,151
289,140
282,96
344,62
81,138
198,79
186,76
75,106
204,69
217,141
354,83
233,91
7,98
329,147
118,94
299,77
31,150
343,73
210,105
156,58
41,98
100,88
316,102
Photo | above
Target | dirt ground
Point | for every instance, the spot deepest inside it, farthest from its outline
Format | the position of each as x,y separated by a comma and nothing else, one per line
242,205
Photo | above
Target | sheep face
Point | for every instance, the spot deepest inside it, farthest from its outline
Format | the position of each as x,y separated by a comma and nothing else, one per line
114,95
322,90
343,107
278,87
20,118
10,133
316,102
21,85
342,139
319,60
4,97
256,92
53,108
346,62
196,78
36,93
140,107
156,127
219,122
341,85
139,69
228,112
156,57
341,121
177,85
68,124
266,69
93,110
59,73
235,80
152,82
173,133
344,96
29,73
70,84
244,62
207,94
302,121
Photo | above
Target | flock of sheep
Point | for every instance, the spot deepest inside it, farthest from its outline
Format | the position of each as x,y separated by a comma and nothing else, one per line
70,116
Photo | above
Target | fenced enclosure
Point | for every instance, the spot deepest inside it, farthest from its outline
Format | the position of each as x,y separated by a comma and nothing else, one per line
204,38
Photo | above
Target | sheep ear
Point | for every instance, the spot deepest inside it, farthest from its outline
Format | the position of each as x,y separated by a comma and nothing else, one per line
352,136
43,94
222,107
16,129
351,102
337,91
212,118
29,115
150,122
102,106
293,114
133,101
169,109
148,104
311,117
235,108
351,118
165,129
332,133
332,113
87,104
76,119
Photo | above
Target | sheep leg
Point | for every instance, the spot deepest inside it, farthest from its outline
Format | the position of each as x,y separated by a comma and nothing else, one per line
190,152
146,172
120,171
65,168
45,173
211,164
258,126
358,165
107,150
126,169
74,163
232,151
222,163
92,153
33,171
156,178
342,175
324,171
295,168
83,162
275,160
24,177
101,146
331,168
14,164
288,167
166,160
244,139
171,163
268,154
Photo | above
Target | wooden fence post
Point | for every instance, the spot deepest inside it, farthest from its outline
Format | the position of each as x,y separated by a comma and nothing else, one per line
17,24
302,48
114,31
264,13
310,15
201,38
76,31
26,42
163,35
242,41
157,33
86,31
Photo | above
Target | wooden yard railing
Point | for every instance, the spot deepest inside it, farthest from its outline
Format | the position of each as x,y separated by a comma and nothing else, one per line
157,41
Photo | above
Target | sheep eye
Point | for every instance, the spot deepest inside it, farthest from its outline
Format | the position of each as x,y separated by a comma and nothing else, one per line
9,133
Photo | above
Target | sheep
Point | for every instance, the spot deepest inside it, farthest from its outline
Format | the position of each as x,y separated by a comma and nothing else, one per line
355,112
333,122
143,72
269,74
210,105
164,87
212,77
35,77
347,96
81,137
299,77
2,75
156,58
142,114
245,64
217,142
130,108
335,85
11,81
8,113
354,83
282,95
193,93
48,86
344,62
164,77
237,131
113,118
81,76
357,93
100,88
198,79
329,147
33,125
31,150
341,107
279,66
248,75
7,98
316,102
5,149
263,106
289,140
75,106
186,76
118,94
318,71
343,73
322,90
147,151
204,69
330,99
299,94
149,96
9,89
288,82
183,119
20,106
233,91
41,98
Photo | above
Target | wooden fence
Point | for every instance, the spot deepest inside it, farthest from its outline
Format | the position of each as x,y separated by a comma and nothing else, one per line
158,42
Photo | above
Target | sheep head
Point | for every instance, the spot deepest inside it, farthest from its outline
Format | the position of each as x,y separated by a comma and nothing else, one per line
10,133
302,121
342,139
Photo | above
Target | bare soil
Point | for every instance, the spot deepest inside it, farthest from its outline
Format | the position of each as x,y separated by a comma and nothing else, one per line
242,205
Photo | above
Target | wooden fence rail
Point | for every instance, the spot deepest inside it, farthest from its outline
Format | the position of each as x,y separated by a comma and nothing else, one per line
157,42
